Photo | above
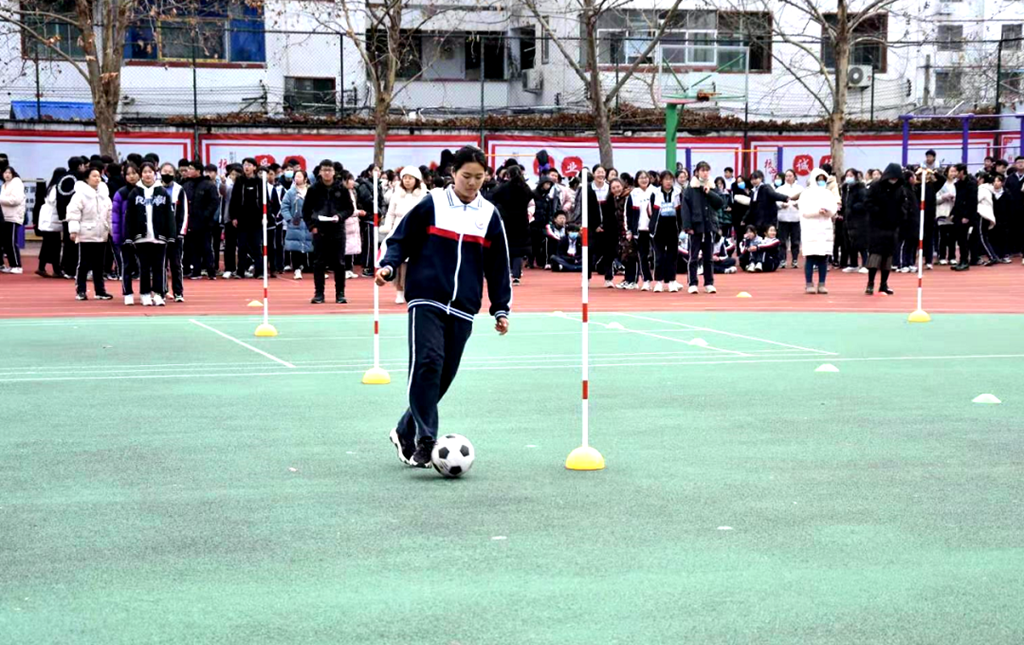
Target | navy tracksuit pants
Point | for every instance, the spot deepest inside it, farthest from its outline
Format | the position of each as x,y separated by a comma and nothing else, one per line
436,342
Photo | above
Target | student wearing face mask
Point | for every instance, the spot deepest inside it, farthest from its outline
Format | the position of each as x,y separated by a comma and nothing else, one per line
818,206
887,206
569,257
852,223
176,247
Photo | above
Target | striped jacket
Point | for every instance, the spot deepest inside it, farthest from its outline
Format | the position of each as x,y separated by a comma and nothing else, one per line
452,248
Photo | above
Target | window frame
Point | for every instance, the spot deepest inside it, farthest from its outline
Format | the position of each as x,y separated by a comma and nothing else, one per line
949,74
883,49
31,48
952,44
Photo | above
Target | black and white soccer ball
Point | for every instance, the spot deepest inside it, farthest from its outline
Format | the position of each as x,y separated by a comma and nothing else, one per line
453,455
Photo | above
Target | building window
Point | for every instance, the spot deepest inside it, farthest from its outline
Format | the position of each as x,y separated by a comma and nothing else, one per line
950,38
1011,36
947,84
740,33
409,47
527,38
545,50
214,32
309,95
869,49
62,36
486,49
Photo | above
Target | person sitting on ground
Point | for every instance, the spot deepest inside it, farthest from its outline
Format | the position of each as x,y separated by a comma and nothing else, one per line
722,254
759,254
569,258
554,231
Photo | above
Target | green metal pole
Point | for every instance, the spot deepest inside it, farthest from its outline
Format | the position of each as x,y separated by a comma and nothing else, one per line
671,138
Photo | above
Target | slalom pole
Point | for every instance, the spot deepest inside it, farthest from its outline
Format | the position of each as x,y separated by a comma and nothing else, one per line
919,315
376,375
265,330
585,457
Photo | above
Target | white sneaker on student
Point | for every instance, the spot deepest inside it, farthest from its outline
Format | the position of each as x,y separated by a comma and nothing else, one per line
710,288
646,287
658,287
298,274
158,300
758,268
849,269
608,284
147,300
692,289
16,271
928,267
943,262
630,286
674,286
226,275
750,268
862,270
350,276
730,270
129,300
287,267
400,298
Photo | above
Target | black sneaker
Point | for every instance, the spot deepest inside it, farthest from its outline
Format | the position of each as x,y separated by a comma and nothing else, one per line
405,449
886,290
422,457
81,296
870,291
341,300
317,300
104,296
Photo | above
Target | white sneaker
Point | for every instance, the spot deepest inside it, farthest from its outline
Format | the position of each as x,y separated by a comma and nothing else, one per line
547,267
350,275
287,267
16,270
4,269
646,287
658,287
674,286
226,275
608,284
928,267
400,298
730,270
129,300
905,270
298,274
750,268
862,270
943,262
147,300
630,286
692,289
710,288
158,300
758,268
849,269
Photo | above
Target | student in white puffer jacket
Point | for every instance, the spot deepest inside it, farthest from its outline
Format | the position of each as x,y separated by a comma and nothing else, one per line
409,192
12,201
89,226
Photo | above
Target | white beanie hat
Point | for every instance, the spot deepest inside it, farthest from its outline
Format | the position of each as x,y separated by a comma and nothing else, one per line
412,171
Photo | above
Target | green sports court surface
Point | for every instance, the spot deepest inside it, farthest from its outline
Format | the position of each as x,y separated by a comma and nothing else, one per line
162,483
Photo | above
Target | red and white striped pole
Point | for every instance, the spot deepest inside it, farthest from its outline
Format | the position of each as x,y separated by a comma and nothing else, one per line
266,329
376,375
919,315
585,457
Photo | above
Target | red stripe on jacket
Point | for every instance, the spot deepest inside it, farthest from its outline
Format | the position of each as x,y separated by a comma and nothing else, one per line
452,235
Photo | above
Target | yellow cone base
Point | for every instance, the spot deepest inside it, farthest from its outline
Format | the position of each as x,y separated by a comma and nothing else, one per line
266,331
584,458
376,376
255,303
743,294
919,316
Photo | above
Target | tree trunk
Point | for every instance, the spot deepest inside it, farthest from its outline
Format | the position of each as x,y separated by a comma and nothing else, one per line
602,123
381,108
602,118
837,119
106,126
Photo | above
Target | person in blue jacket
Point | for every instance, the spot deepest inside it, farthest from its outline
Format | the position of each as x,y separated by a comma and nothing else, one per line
453,241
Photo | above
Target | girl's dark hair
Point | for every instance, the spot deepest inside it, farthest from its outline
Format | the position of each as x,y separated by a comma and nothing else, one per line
147,164
468,154
14,173
701,165
305,176
720,180
666,174
751,229
596,166
58,174
757,174
344,176
131,166
113,169
515,174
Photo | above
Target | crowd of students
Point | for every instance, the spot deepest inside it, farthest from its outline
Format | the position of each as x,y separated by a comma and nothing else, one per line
140,220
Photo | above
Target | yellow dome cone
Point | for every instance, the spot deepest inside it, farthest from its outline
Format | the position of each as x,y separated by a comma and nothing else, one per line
266,330
584,458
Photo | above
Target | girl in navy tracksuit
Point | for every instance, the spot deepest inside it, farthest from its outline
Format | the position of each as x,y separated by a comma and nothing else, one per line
453,240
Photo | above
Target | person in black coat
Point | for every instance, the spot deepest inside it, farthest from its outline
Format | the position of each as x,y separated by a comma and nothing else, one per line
247,217
906,256
965,216
887,206
545,205
697,211
934,180
1015,227
763,211
513,201
740,191
327,205
852,222
204,214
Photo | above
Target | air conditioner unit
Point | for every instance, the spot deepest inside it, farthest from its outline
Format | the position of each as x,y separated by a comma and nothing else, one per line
533,80
859,76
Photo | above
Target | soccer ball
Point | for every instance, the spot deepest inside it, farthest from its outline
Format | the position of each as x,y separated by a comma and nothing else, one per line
453,455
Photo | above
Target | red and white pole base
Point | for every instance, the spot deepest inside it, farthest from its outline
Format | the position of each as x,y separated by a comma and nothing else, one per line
265,330
376,375
919,315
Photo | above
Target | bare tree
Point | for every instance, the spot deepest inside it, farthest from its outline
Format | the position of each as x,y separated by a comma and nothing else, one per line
386,34
812,30
589,71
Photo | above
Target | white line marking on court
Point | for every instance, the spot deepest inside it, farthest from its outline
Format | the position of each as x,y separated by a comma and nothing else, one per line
649,334
243,344
727,333
521,367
